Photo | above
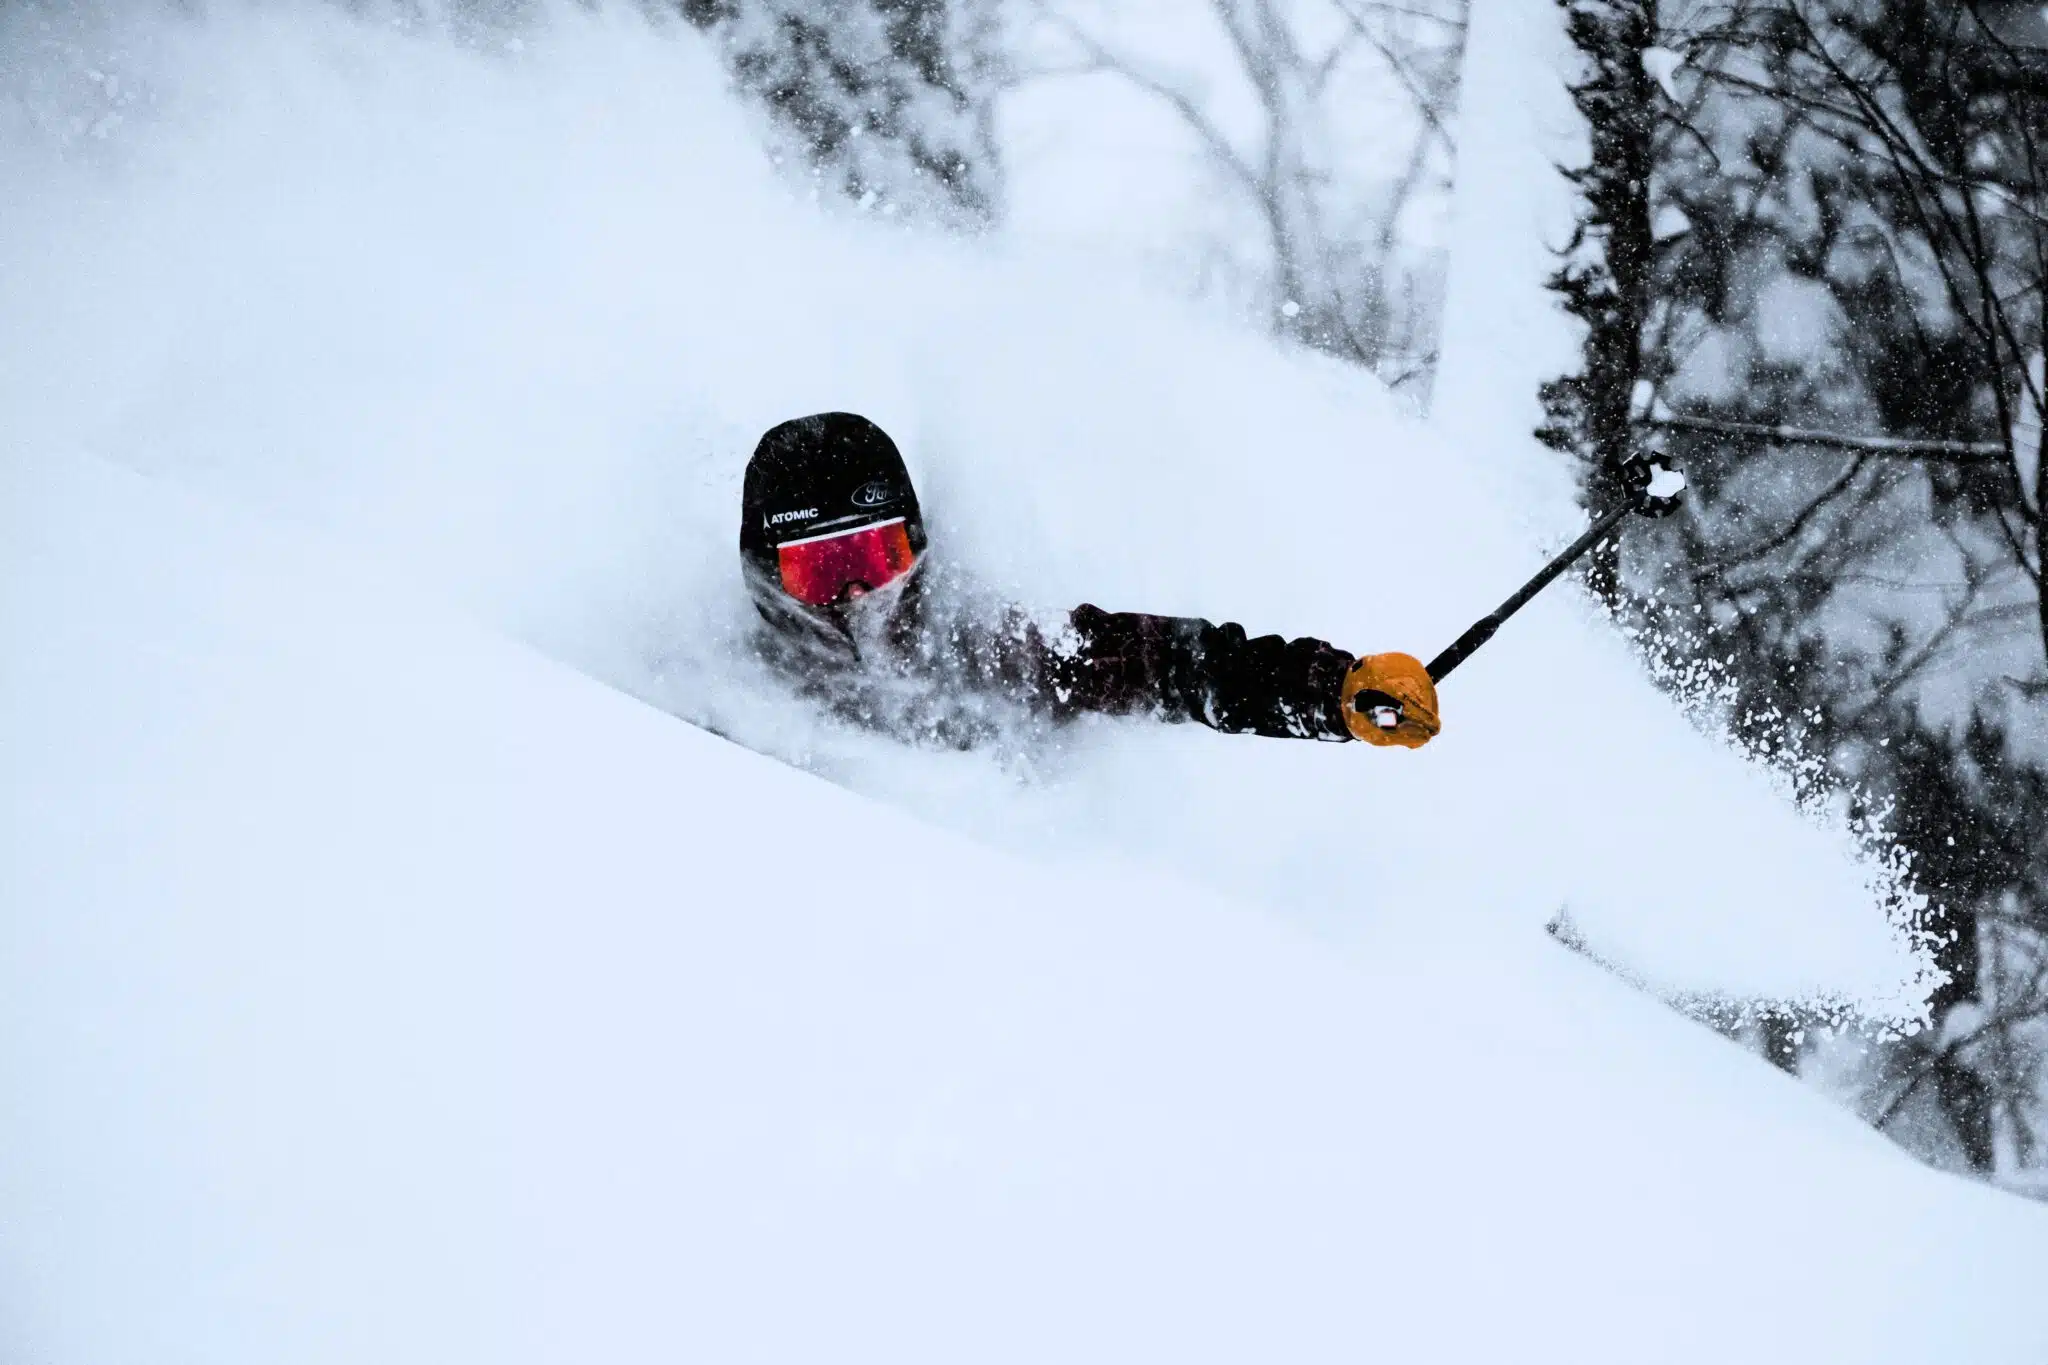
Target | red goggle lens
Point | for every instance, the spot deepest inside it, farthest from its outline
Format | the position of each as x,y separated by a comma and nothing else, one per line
817,571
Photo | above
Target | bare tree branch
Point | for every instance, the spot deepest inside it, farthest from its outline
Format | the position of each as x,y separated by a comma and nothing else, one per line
1101,59
1904,447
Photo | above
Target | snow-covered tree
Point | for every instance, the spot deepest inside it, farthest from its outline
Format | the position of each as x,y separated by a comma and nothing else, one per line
887,101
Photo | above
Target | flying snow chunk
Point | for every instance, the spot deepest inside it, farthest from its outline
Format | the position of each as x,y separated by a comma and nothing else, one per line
1661,65
1670,221
1666,483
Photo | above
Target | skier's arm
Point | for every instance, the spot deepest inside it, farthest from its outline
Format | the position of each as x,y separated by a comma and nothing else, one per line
1182,668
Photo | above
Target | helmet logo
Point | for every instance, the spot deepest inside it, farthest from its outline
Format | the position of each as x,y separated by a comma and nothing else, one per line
806,514
873,494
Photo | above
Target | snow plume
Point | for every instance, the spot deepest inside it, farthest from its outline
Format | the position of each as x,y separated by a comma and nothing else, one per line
511,311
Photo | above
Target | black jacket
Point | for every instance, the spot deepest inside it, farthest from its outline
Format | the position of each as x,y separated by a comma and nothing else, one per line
937,664
1178,668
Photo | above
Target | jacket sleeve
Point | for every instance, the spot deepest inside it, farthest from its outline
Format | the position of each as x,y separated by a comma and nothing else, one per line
1183,668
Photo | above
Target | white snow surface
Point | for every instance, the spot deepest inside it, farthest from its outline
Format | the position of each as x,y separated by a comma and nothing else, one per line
377,989
381,983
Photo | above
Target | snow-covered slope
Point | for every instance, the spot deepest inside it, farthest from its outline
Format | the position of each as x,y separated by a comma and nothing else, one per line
378,990
510,317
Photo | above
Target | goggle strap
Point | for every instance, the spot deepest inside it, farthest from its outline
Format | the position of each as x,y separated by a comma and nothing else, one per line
842,531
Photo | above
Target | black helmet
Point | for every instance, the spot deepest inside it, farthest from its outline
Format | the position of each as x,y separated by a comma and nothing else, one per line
814,482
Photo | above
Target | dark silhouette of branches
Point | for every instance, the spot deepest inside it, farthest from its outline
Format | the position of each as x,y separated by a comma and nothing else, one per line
1864,543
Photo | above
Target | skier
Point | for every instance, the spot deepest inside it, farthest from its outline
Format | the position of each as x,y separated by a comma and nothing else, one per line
833,549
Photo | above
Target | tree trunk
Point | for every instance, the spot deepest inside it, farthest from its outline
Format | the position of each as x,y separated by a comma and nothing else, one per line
1606,278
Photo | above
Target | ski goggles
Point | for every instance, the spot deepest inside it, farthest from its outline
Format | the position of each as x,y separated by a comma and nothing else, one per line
818,570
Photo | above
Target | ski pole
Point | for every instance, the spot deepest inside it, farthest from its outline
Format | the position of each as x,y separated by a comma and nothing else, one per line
1657,495
1466,645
